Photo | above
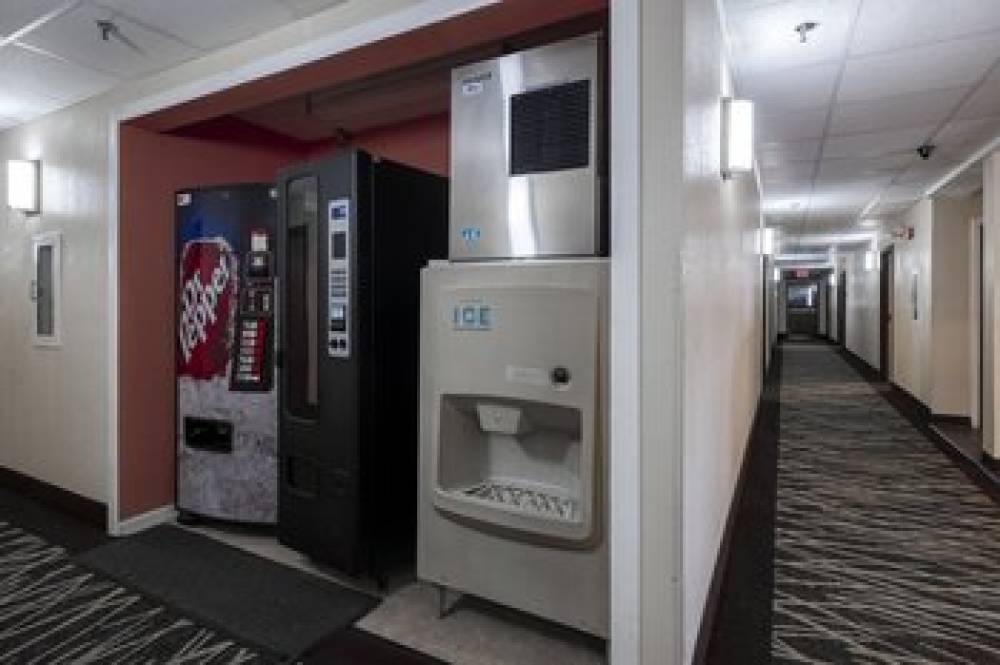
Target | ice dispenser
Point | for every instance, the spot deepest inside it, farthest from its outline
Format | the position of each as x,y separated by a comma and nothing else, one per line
512,471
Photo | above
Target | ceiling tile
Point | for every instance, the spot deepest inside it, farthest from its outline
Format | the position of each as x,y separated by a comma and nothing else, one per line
303,8
805,124
985,101
960,138
871,167
926,172
766,40
897,112
75,37
27,72
880,144
885,25
778,154
900,194
16,14
204,25
791,90
933,67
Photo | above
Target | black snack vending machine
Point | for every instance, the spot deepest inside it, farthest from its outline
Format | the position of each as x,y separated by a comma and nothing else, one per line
355,231
227,449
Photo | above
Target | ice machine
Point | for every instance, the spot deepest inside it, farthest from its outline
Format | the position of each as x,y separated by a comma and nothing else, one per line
355,233
513,503
227,417
527,154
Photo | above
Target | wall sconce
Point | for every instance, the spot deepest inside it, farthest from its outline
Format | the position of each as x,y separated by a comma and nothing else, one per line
23,184
777,275
869,261
737,136
833,278
767,236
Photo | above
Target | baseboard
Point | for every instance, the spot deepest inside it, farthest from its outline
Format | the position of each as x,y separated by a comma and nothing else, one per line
951,419
147,520
77,505
761,440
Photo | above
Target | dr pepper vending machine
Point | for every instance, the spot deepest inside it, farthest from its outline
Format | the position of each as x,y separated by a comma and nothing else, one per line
227,448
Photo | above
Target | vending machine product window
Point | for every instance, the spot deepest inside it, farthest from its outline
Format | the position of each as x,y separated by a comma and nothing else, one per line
303,279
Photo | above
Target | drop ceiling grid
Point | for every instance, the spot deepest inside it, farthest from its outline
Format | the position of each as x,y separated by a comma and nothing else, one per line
906,71
52,55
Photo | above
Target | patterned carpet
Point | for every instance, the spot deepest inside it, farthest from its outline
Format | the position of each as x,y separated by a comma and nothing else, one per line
54,611
885,551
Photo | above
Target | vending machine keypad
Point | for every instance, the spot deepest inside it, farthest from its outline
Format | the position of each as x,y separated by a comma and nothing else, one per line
338,279
253,357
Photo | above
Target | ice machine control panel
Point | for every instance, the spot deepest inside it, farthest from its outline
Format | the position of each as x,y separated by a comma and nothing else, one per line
338,279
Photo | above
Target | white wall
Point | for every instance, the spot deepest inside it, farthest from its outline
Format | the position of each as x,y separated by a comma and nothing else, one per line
53,402
832,291
862,324
722,313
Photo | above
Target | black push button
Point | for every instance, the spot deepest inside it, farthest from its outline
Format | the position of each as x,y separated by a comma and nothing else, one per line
560,376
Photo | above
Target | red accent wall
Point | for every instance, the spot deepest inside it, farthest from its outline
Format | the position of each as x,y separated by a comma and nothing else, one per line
153,168
423,143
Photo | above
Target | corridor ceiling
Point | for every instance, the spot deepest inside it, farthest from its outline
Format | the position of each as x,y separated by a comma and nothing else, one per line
840,117
52,53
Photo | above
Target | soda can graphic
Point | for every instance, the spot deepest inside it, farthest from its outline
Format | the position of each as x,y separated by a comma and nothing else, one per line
208,288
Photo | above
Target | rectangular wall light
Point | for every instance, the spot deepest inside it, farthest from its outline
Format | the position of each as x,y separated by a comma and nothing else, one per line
767,241
869,261
737,136
23,183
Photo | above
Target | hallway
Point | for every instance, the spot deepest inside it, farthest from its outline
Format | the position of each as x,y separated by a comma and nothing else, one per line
885,552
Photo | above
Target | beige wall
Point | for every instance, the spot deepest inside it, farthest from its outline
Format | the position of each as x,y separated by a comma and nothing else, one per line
912,337
991,306
54,402
722,313
950,324
931,355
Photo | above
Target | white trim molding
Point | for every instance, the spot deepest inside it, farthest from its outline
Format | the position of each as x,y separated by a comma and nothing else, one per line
147,520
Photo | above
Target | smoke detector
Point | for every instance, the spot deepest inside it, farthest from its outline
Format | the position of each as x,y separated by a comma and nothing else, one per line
804,29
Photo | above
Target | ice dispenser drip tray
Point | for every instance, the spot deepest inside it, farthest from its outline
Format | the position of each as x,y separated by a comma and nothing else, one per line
514,464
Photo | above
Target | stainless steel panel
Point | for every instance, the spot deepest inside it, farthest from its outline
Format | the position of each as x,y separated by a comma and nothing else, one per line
495,215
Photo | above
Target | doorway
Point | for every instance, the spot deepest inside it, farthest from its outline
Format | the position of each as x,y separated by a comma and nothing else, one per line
885,313
803,308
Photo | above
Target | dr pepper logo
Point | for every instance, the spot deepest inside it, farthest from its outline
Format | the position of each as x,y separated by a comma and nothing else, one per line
208,275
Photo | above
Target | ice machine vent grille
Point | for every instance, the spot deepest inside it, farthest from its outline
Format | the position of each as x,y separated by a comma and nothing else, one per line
531,500
550,129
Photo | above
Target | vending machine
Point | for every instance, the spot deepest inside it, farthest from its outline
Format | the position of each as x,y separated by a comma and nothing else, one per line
355,232
227,448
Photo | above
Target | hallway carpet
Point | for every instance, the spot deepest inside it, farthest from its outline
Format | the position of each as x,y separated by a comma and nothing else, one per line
885,551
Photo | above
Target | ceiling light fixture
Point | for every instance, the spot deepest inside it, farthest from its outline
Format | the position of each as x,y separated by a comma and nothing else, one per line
804,29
